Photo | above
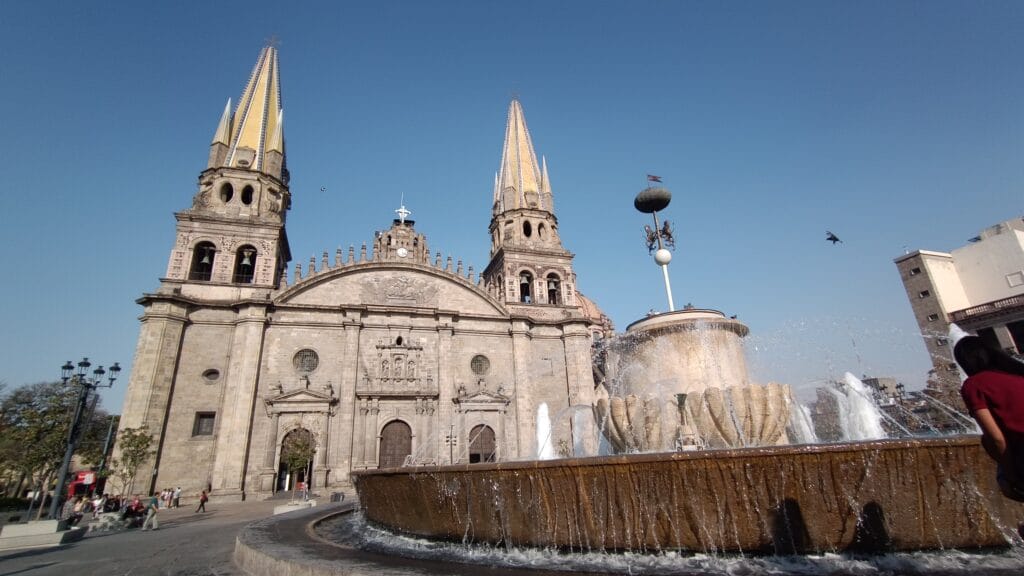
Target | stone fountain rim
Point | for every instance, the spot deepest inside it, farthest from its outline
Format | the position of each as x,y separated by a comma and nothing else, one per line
687,319
727,453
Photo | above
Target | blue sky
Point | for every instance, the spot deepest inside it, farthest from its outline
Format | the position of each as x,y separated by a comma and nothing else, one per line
895,125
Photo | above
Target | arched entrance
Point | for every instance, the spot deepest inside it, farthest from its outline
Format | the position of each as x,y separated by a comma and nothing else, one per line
296,463
481,445
395,444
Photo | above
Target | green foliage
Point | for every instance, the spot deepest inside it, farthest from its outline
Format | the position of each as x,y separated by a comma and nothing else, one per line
297,450
135,446
34,424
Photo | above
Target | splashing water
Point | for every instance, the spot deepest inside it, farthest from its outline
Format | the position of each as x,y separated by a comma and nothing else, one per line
545,451
859,416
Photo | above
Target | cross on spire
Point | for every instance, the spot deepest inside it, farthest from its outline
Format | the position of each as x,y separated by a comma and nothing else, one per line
402,212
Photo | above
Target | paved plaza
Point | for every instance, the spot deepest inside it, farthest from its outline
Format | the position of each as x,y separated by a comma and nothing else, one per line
187,544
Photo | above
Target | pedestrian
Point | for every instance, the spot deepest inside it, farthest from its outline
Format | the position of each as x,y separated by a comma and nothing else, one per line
151,510
994,395
177,497
202,502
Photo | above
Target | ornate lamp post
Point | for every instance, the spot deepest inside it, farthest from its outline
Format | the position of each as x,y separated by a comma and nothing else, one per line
86,384
451,439
649,201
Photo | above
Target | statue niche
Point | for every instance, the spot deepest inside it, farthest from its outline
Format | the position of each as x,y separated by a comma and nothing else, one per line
398,370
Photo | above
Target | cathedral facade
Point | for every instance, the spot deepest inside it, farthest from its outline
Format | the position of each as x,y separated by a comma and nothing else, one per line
382,357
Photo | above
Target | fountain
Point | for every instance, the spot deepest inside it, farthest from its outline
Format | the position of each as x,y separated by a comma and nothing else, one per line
707,462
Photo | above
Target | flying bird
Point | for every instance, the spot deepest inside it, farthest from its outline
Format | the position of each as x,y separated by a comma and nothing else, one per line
830,237
323,188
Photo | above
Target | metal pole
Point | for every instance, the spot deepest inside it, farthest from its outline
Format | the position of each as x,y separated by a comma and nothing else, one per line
664,267
62,476
668,288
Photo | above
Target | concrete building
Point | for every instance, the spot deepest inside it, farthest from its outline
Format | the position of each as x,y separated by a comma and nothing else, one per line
979,286
382,356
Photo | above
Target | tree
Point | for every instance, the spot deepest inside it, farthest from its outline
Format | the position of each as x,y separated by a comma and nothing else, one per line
297,452
34,423
134,447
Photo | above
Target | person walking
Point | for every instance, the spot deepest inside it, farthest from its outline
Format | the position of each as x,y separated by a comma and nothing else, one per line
151,510
202,502
994,395
177,497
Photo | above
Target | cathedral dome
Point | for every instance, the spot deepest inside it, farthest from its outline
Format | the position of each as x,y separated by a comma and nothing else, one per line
595,314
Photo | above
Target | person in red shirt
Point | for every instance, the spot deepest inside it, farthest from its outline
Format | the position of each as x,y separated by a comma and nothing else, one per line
994,394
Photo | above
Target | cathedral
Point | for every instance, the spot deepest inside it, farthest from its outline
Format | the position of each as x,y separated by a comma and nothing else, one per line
382,357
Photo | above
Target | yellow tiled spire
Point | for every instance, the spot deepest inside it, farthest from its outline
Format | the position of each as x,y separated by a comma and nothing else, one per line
256,125
519,179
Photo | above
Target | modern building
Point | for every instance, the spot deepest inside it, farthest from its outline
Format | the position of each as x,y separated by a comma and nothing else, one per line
382,356
979,286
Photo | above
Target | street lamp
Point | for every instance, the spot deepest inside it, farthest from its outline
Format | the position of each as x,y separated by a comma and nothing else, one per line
86,384
451,439
649,201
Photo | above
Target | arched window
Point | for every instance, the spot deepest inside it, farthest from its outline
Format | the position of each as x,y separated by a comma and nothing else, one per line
525,284
245,265
541,231
395,444
202,262
226,192
554,286
481,445
527,230
247,193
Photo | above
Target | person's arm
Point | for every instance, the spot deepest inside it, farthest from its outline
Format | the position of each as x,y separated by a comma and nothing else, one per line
992,438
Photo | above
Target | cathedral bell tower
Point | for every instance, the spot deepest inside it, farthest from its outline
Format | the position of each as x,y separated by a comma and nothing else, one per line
529,267
234,232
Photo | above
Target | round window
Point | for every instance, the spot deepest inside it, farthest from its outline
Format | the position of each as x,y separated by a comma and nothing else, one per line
211,375
305,360
480,364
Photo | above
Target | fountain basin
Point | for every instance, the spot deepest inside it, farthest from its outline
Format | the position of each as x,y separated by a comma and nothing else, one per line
870,496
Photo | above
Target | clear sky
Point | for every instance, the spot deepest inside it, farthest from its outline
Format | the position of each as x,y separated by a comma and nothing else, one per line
896,125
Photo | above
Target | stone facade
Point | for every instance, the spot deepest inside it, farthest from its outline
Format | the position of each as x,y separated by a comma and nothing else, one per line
384,358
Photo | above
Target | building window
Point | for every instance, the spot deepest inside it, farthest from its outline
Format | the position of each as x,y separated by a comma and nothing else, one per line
211,375
247,195
915,271
924,293
305,360
202,262
480,365
525,282
933,317
226,192
203,425
245,265
941,341
554,286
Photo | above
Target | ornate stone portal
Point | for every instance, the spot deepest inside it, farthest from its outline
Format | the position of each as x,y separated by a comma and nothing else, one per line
302,408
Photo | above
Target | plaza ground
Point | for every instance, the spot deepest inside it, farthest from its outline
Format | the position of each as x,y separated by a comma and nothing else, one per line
187,544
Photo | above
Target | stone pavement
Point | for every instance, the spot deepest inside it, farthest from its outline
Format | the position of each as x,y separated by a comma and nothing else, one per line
187,544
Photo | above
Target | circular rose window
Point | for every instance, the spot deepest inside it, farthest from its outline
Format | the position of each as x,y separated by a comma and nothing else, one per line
480,364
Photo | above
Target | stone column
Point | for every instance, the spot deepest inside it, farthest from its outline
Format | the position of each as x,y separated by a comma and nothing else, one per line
446,384
235,416
150,388
269,474
525,417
